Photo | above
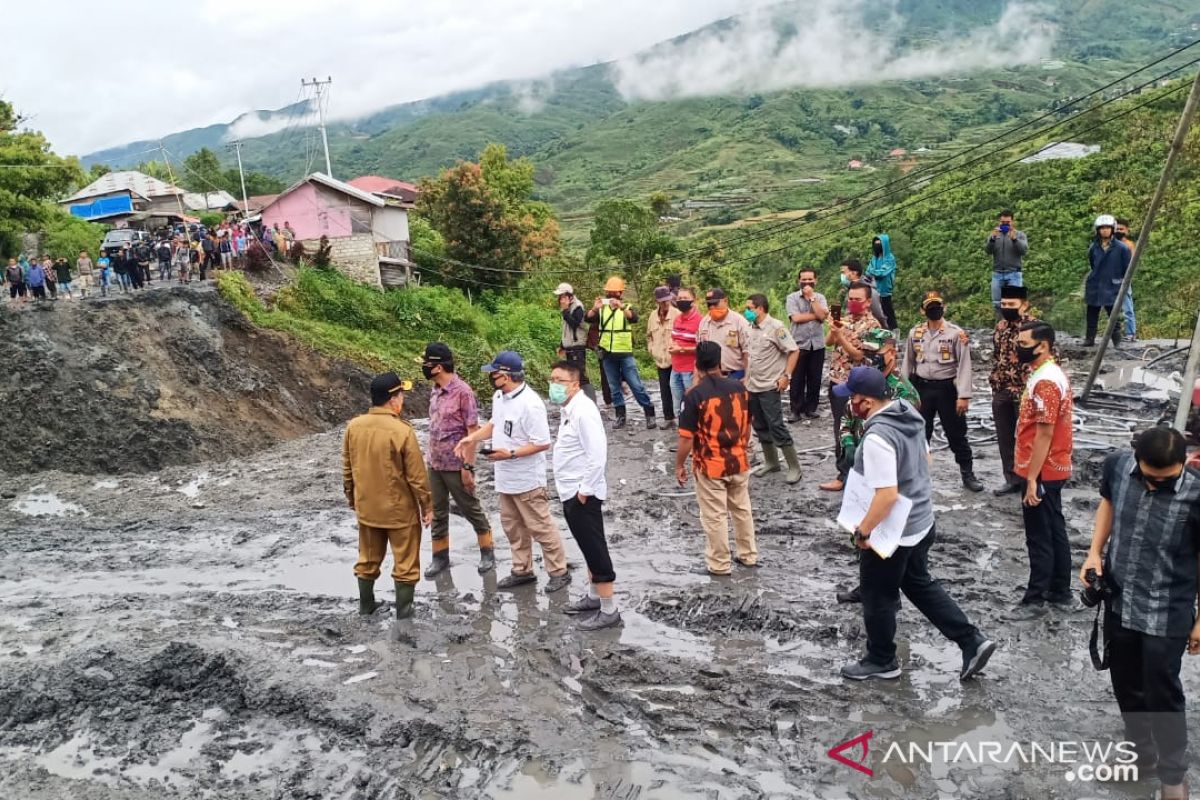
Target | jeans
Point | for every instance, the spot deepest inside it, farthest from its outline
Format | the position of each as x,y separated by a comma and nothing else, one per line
883,579
806,382
680,383
737,375
1048,546
622,366
664,389
1130,317
1000,279
766,415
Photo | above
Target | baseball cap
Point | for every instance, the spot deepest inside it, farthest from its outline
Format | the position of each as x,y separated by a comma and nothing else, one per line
437,353
708,355
662,293
385,385
866,381
564,288
506,360
932,297
876,338
714,295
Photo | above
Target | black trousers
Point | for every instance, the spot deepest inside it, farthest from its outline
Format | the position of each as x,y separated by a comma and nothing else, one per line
1006,406
1145,679
664,391
586,522
135,275
766,416
578,357
881,581
938,400
885,302
605,389
1093,323
1048,546
805,393
838,406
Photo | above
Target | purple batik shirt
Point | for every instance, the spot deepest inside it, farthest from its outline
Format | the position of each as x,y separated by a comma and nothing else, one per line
452,410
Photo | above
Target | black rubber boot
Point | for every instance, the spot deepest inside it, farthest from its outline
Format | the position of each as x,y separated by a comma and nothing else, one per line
620,423
487,560
440,562
366,597
650,423
404,600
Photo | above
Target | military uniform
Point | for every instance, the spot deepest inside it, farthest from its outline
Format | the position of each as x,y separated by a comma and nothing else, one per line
938,363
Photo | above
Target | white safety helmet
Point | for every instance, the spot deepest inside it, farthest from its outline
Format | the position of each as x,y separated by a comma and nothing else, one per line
1105,219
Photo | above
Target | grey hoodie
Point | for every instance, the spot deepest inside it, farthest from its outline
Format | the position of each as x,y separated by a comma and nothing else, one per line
903,427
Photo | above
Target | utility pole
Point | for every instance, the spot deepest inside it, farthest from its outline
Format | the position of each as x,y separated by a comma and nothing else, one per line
319,88
237,146
1189,380
178,195
1185,122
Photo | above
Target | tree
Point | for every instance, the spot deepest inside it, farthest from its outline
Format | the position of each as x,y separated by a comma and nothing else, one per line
65,235
256,183
202,172
155,169
660,204
32,176
97,171
627,233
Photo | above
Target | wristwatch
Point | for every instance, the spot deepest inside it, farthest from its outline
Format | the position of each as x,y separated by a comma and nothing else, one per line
468,467
512,453
859,536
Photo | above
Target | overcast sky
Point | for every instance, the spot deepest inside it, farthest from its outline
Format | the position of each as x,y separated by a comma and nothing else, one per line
94,75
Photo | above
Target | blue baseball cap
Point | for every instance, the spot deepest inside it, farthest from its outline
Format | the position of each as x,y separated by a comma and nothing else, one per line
506,360
866,381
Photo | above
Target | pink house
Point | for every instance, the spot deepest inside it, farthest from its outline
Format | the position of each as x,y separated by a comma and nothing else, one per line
855,164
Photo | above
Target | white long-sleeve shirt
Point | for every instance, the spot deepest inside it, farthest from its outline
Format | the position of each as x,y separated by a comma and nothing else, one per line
581,450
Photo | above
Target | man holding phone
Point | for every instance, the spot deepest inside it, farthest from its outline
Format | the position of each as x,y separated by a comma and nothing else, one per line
1043,461
1007,246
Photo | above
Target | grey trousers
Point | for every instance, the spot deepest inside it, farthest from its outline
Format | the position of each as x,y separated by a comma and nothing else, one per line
445,485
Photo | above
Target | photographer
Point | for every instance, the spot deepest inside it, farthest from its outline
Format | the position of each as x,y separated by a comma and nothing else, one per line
1149,519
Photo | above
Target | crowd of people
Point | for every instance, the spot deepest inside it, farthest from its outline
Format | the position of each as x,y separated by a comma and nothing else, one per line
723,374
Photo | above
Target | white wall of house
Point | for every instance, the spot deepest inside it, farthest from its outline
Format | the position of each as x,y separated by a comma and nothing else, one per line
390,224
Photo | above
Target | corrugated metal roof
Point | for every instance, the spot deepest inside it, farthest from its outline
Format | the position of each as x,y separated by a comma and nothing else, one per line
208,201
126,181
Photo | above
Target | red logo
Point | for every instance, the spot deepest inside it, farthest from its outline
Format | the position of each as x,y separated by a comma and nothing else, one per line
837,753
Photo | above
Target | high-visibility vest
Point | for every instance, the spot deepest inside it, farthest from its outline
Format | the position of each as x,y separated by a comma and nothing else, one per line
616,336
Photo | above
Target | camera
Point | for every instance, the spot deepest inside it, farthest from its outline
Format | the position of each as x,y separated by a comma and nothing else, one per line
1096,590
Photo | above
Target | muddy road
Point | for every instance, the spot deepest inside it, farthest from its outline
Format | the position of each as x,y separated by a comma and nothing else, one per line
191,632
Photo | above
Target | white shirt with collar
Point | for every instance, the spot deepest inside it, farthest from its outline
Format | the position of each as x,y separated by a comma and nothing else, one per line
581,450
518,419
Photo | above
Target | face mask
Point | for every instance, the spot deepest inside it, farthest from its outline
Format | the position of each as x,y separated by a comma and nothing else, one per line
1011,314
1026,355
1120,234
750,315
857,307
684,305
495,378
806,283
1160,483
1005,227
845,280
558,393
427,371
878,248
860,410
718,314
935,311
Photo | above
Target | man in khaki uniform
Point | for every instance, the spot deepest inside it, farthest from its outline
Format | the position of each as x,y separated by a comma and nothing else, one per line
937,360
772,354
383,473
658,342
730,331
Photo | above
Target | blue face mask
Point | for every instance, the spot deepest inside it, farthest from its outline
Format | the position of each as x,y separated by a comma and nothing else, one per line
558,394
845,280
750,315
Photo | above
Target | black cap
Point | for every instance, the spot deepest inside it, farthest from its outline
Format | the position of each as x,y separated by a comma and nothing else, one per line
708,356
714,294
438,353
384,386
1010,292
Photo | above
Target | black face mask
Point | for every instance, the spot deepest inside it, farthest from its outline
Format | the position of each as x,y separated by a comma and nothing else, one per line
495,379
1160,483
1026,355
1119,235
684,305
427,371
935,311
1011,314
878,248
807,283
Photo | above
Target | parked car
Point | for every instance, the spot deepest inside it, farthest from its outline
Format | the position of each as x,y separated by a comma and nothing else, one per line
117,238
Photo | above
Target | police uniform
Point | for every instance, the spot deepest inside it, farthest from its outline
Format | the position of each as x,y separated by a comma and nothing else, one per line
938,363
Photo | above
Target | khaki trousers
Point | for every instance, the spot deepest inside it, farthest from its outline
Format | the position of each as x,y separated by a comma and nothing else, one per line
526,517
720,499
406,552
445,485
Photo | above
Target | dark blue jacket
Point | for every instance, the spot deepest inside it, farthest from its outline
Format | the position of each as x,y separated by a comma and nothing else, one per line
1108,270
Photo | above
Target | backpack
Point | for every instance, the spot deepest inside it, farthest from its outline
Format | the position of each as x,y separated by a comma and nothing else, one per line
15,275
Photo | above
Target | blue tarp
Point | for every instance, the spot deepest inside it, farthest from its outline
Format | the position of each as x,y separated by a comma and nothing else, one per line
105,207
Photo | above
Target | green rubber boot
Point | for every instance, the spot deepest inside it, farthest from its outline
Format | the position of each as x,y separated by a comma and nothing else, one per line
366,597
404,600
770,460
789,455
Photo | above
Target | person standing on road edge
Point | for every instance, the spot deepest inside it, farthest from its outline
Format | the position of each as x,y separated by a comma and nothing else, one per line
894,461
615,321
1108,259
937,359
1007,246
36,280
684,337
580,458
1007,379
772,355
1121,234
730,331
384,478
453,415
1146,546
845,337
14,276
51,282
659,327
572,343
62,274
807,310
520,435
714,428
85,271
882,267
1045,439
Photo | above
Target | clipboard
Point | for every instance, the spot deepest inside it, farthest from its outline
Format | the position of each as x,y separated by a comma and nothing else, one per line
856,499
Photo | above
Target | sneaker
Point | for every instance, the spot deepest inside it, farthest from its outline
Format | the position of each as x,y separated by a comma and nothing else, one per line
850,596
1129,337
866,670
514,579
746,564
702,570
600,621
557,582
971,483
1008,488
583,605
976,658
812,415
666,424
1028,612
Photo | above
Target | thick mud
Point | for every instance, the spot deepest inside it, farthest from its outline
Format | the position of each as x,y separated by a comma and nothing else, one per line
192,632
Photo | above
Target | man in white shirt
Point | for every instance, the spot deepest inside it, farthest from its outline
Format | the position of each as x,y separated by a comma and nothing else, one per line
520,437
580,456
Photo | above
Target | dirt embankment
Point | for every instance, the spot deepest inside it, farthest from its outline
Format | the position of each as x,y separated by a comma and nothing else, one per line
171,376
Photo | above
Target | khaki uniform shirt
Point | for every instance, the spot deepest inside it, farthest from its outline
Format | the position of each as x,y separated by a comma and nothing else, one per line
769,346
732,333
658,336
941,354
383,471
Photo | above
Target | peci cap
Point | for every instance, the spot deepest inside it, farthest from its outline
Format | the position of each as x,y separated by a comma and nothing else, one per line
1010,292
931,298
564,288
662,294
866,381
507,361
708,355
437,353
384,386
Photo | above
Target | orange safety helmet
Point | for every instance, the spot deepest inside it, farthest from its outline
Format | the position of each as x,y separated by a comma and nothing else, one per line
614,284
